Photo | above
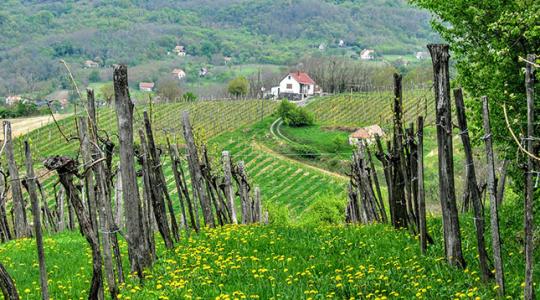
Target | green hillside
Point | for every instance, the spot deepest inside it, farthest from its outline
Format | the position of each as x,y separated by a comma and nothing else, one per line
37,34
282,262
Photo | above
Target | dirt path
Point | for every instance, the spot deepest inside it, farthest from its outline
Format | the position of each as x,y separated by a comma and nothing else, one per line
22,126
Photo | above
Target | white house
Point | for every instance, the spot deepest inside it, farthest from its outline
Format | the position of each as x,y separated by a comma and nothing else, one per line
367,54
295,85
422,55
178,74
322,47
12,100
91,64
341,43
146,86
180,50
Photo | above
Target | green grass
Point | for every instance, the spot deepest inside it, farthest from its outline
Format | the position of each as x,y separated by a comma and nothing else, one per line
293,262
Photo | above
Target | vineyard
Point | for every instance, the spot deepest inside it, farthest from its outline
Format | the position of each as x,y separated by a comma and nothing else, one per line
367,108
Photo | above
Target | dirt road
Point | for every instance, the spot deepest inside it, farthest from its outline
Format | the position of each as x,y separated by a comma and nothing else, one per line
21,126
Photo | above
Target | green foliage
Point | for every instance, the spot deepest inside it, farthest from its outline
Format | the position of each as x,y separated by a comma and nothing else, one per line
36,34
169,89
278,214
20,110
189,97
325,210
239,86
487,39
94,76
305,151
293,115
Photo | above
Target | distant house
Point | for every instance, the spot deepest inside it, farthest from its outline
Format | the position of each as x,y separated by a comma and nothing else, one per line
296,85
227,59
178,73
60,96
322,47
146,86
12,100
422,55
91,64
180,50
367,54
203,72
365,134
341,44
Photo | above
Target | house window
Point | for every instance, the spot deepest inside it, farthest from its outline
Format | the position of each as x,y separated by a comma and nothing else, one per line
289,86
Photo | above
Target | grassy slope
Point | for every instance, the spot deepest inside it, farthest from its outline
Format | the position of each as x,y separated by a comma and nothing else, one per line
283,262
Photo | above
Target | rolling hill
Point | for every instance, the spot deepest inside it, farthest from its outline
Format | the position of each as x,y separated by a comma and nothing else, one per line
37,34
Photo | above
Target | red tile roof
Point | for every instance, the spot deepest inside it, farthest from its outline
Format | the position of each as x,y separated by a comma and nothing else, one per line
302,78
146,85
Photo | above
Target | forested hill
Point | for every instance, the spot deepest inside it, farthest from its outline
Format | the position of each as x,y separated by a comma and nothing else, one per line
37,33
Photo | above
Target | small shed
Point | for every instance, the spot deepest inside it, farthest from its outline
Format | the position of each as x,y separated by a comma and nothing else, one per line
367,134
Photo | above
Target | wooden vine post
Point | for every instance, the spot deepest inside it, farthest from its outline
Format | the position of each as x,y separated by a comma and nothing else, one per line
228,186
19,214
7,286
493,207
529,193
160,182
422,227
138,248
32,191
441,82
197,179
67,169
472,186
398,179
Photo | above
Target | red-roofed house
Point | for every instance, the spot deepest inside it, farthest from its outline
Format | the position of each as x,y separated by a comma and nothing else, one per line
146,86
297,83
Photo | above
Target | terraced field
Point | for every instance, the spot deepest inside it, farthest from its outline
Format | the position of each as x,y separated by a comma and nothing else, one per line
209,118
367,108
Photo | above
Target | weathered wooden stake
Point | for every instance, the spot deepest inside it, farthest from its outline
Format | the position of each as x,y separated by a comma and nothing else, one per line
197,180
422,227
529,198
228,186
441,82
32,191
19,215
9,291
138,248
474,192
494,212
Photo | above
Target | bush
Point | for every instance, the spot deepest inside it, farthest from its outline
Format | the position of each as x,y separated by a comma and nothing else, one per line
189,97
278,214
305,151
238,86
325,210
293,115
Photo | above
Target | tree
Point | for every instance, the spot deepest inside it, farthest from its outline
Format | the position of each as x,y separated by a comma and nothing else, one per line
189,97
94,76
169,89
238,86
487,39
293,115
107,92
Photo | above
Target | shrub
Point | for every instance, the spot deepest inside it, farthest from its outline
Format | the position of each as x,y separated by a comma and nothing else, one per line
325,210
293,115
238,86
278,214
189,97
305,151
